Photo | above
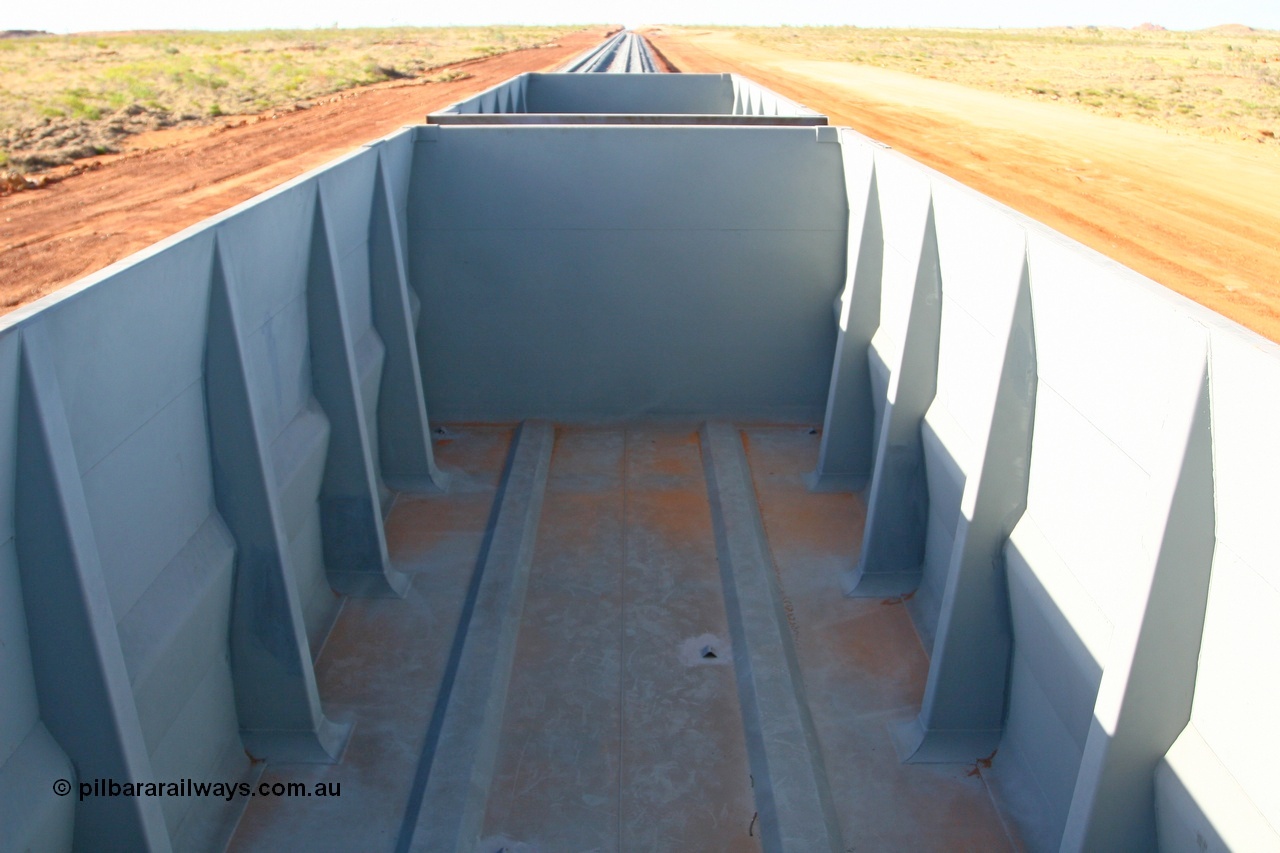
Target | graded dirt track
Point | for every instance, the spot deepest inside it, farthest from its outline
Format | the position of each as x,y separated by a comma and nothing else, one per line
1197,215
173,179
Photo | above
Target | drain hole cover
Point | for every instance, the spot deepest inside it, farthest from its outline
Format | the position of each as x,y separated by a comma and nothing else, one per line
705,650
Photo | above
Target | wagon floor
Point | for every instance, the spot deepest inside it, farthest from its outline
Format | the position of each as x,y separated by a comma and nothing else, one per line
625,638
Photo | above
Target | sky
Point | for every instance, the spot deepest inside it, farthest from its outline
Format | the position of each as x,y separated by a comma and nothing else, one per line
81,15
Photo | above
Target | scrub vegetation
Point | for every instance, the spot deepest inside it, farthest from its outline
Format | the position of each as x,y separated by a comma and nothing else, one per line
1223,81
65,97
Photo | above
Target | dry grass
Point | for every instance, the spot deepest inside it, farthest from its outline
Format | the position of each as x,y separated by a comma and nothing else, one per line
63,96
1224,81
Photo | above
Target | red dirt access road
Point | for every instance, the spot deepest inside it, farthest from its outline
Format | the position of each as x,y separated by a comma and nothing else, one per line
53,236
1201,217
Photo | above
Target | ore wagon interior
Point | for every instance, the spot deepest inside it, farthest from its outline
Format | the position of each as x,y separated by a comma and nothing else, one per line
720,482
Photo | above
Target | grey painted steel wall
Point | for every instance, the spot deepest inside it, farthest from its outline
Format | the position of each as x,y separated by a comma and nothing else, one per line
1068,469
667,94
195,442
628,97
608,273
1071,467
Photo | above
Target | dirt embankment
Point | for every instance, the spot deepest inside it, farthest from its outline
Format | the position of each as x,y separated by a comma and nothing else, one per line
64,98
1196,215
170,179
